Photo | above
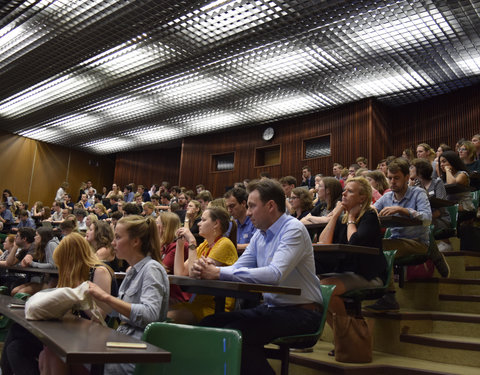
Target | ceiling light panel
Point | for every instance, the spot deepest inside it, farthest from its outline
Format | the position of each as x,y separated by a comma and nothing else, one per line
125,74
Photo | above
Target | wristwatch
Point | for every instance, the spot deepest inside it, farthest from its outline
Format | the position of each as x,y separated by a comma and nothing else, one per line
351,222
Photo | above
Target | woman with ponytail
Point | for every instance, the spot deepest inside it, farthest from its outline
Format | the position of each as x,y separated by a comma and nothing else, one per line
143,295
217,248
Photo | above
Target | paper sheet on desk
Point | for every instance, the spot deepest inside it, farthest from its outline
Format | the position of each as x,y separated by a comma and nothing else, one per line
55,303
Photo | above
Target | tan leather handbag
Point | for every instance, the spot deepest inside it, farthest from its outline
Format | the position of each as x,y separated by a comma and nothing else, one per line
353,339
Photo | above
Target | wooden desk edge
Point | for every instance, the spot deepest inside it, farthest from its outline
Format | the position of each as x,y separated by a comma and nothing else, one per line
346,248
232,285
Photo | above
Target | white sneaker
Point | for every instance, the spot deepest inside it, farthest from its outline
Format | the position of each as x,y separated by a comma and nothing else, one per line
444,246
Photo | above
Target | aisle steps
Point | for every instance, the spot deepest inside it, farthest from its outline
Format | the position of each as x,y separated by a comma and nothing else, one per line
437,327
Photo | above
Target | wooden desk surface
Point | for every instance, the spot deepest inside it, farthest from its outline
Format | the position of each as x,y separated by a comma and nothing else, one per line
457,188
20,269
439,203
345,248
83,341
316,226
53,271
398,221
228,288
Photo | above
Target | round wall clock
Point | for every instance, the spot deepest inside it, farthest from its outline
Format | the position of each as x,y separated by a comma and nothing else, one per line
268,134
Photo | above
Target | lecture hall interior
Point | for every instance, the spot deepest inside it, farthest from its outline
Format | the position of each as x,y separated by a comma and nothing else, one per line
185,90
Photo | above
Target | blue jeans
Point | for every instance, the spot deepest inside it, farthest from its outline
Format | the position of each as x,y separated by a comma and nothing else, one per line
259,326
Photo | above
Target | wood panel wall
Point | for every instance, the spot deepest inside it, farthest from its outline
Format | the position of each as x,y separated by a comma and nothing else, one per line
148,167
347,127
34,170
442,119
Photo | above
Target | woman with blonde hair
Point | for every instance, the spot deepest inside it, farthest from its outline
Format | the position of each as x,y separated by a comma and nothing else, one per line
217,248
143,294
424,151
354,222
168,224
91,218
100,211
76,263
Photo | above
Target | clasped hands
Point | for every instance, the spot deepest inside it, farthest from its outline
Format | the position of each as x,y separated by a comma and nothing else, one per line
204,268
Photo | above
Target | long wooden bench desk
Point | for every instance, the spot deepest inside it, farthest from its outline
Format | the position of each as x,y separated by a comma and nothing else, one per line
439,203
80,341
457,188
345,248
398,221
221,289
52,271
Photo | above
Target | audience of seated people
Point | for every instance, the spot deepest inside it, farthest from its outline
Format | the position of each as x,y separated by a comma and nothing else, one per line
182,220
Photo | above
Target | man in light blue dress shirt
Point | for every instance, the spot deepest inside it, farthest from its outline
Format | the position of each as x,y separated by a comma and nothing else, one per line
280,253
412,202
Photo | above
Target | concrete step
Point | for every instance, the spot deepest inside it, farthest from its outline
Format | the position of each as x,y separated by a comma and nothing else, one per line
430,335
439,294
442,348
417,322
319,363
459,261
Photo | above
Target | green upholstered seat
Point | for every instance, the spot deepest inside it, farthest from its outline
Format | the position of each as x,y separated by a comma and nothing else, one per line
195,350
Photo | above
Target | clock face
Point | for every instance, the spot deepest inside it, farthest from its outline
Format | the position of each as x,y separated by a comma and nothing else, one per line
268,134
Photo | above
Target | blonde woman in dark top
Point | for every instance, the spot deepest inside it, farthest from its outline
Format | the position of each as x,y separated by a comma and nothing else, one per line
354,222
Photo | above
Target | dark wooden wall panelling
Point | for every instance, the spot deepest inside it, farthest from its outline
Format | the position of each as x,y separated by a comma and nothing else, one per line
381,137
443,119
147,167
34,170
347,126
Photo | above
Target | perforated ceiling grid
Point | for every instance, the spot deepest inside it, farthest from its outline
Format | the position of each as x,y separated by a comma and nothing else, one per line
109,75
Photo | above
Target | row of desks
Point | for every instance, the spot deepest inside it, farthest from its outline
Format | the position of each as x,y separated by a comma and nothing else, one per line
82,341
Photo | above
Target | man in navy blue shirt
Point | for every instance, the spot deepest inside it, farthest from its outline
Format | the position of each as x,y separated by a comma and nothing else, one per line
6,218
307,178
236,202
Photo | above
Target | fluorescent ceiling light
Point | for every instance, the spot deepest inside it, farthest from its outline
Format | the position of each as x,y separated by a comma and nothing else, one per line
275,108
398,33
469,66
377,86
109,145
32,99
220,19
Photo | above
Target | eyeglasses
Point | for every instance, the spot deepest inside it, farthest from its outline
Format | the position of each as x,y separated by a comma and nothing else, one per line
462,149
